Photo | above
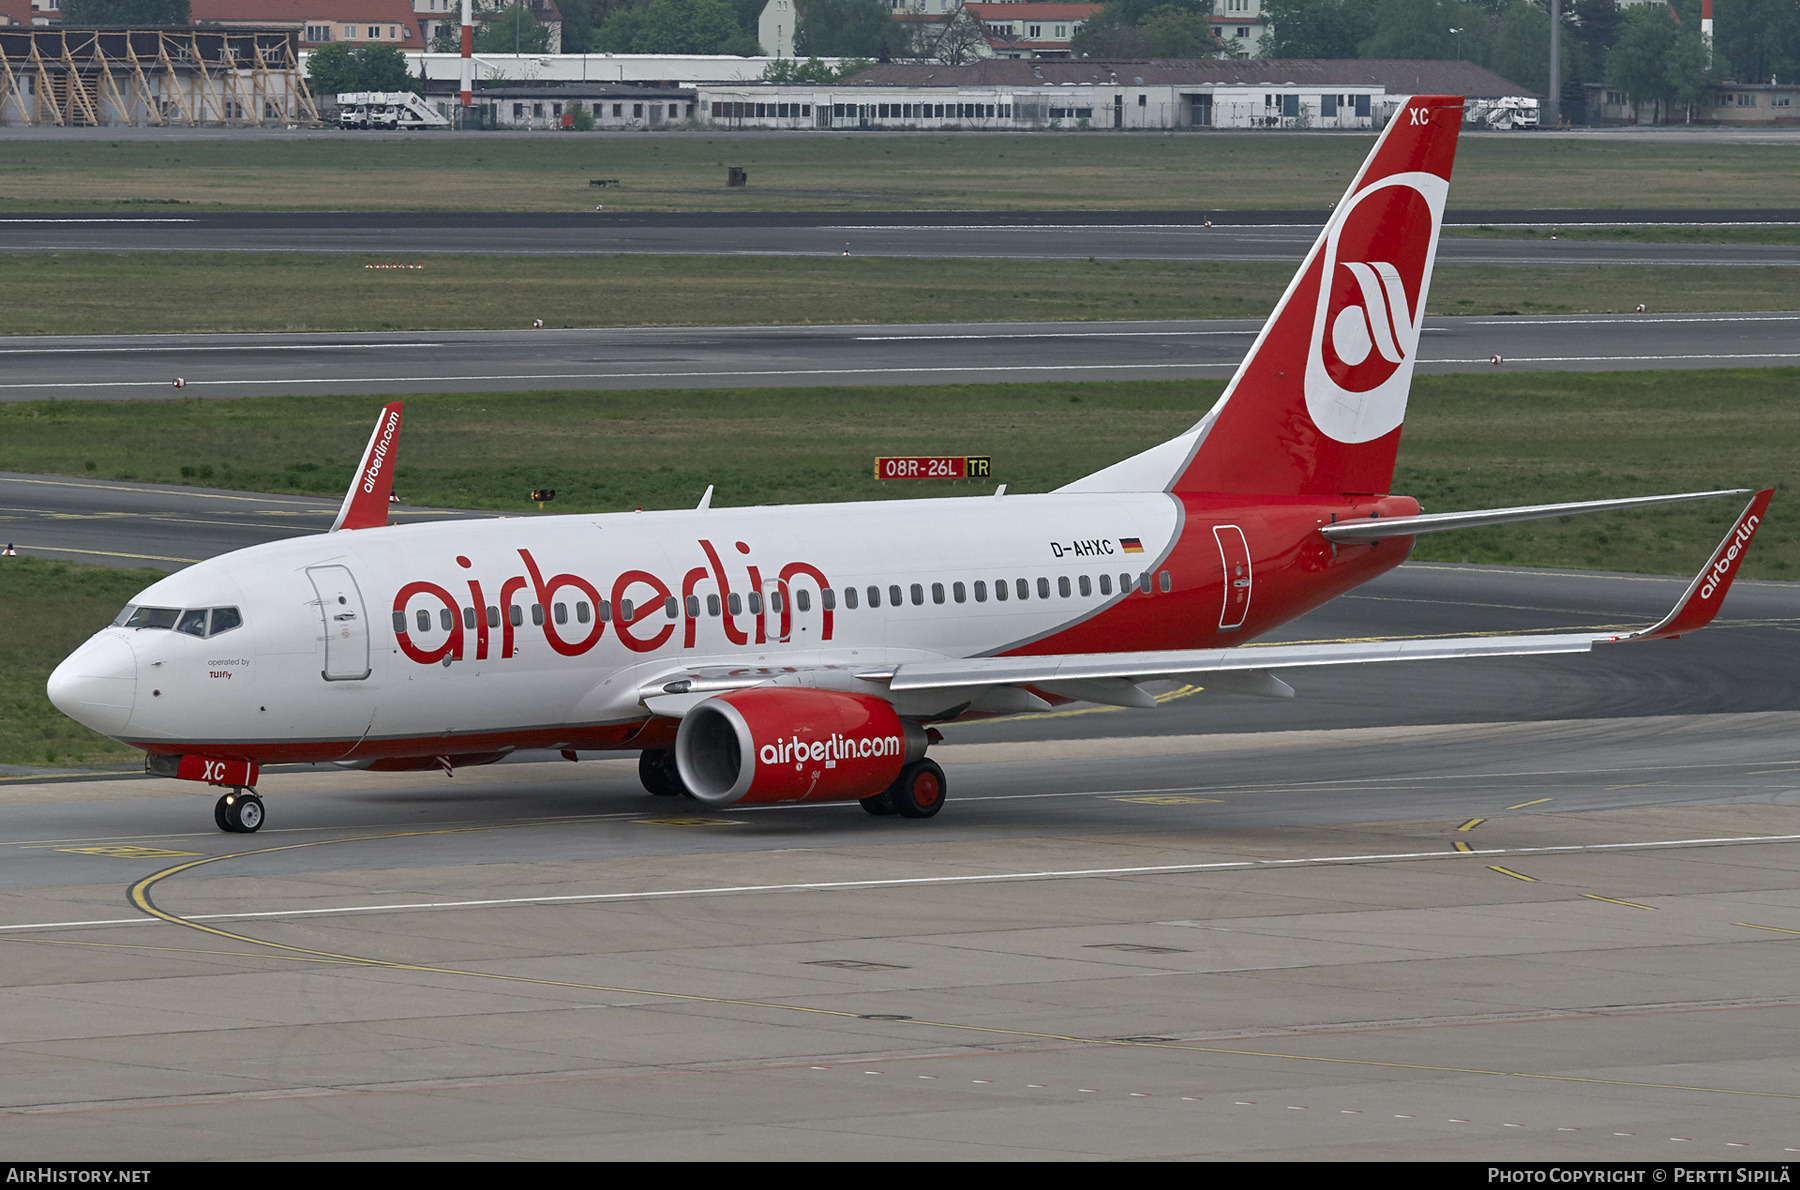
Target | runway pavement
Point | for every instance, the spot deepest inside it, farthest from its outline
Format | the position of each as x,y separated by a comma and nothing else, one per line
1250,236
136,367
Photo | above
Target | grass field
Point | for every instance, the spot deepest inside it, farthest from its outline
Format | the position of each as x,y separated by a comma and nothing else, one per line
888,171
50,608
1470,442
141,293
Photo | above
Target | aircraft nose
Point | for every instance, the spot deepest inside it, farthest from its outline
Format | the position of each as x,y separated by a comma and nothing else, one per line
97,684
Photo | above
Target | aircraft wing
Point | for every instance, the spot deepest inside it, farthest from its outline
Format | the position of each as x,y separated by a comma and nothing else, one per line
1112,677
1697,607
1377,528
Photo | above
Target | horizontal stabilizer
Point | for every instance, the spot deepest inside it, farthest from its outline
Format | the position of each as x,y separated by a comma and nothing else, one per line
1378,528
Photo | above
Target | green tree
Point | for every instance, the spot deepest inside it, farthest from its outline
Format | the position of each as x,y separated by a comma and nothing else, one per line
674,27
512,30
1172,31
1760,39
1317,28
331,69
845,29
1147,28
687,26
1688,69
1422,29
143,14
1109,33
1520,50
337,68
577,24
1635,64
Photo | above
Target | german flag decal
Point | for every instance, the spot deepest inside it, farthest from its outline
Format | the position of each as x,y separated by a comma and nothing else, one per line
1131,545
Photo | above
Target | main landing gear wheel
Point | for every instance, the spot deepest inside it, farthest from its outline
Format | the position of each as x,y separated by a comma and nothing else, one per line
239,812
659,773
919,793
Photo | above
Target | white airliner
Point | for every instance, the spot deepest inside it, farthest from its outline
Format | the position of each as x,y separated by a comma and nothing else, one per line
802,653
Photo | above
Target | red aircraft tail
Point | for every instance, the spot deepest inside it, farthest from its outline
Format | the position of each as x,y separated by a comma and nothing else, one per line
366,503
1316,406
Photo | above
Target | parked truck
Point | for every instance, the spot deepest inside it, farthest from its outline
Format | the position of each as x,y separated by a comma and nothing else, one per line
1509,113
388,110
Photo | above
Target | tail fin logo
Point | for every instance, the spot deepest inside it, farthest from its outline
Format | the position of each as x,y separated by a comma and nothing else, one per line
1371,306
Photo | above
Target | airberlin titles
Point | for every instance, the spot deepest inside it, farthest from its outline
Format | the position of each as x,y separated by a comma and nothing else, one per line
643,610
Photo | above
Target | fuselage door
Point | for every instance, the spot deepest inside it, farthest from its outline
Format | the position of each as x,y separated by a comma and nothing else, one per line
345,625
1234,552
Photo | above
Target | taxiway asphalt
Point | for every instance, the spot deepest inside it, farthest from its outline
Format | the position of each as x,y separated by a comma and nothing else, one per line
1257,947
144,367
1244,236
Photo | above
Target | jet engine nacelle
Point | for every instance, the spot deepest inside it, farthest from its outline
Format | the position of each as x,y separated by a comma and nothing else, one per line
792,744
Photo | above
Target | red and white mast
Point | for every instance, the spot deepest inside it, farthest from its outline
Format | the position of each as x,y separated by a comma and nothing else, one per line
468,51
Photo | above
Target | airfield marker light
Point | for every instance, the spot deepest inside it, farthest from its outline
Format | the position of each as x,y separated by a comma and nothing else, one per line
543,496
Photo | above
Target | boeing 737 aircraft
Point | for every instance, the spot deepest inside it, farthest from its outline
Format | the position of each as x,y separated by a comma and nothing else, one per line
803,653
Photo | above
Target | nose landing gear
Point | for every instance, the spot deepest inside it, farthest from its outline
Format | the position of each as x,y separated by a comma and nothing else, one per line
239,812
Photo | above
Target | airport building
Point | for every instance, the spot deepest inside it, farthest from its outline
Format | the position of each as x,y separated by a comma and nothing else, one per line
1000,93
89,77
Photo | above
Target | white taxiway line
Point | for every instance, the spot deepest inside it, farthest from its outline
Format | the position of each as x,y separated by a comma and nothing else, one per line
632,375
983,878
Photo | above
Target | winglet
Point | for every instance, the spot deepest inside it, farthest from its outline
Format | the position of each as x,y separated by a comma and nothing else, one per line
366,503
1707,592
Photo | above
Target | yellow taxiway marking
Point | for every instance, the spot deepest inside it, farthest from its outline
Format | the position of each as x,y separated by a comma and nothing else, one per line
1611,901
1750,925
1170,801
1522,805
1471,824
1462,846
64,549
690,821
128,852
1510,872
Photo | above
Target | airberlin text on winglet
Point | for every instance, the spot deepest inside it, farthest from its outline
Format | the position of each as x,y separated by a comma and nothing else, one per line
1727,562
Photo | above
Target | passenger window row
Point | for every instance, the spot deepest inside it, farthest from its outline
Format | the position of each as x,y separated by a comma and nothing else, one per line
1003,590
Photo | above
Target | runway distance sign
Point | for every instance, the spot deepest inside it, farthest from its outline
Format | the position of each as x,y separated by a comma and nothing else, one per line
933,467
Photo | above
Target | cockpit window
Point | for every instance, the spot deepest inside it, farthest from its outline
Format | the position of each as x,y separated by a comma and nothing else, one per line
153,617
193,621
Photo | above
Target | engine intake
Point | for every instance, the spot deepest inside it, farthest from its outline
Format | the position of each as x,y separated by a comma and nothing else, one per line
789,744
